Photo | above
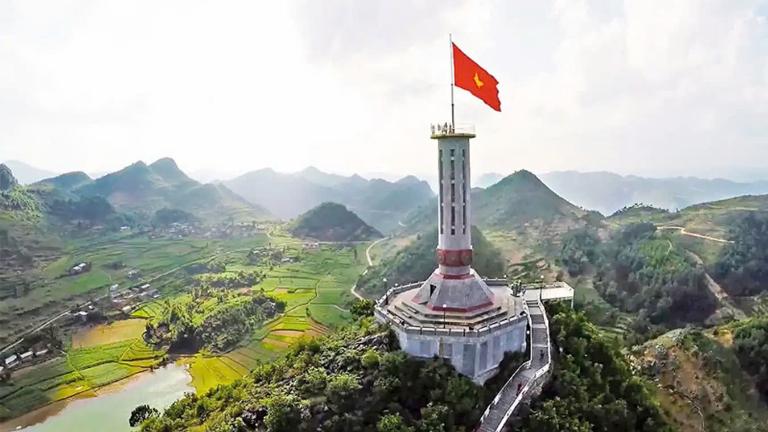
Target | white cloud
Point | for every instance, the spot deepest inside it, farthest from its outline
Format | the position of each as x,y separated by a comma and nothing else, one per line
645,87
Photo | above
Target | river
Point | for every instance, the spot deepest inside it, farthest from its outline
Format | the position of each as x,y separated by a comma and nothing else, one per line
111,408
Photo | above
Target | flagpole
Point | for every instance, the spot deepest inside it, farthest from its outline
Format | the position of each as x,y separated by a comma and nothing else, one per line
453,119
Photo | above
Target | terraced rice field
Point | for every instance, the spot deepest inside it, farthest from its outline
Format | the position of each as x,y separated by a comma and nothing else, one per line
108,333
149,310
316,292
77,371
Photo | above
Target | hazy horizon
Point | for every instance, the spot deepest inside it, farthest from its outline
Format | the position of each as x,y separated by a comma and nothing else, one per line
206,176
351,87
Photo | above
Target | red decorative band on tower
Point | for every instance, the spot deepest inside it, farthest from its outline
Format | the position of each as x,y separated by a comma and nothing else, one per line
454,257
455,276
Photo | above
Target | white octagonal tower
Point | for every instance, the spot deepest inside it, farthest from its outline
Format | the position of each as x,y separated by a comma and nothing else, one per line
455,314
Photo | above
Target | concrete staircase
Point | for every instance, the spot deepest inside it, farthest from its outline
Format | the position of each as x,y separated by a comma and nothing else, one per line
521,384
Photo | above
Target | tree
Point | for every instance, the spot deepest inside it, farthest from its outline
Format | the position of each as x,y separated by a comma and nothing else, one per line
392,423
362,308
341,390
434,418
283,414
370,359
140,414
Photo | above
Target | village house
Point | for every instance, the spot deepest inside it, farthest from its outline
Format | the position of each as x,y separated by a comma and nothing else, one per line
11,361
80,268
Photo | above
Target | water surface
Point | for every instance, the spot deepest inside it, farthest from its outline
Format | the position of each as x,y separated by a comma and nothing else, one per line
111,408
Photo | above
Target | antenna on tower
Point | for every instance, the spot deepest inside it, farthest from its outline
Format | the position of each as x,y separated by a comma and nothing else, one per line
453,119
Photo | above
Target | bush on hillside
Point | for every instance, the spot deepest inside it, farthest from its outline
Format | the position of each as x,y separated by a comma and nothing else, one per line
592,387
743,264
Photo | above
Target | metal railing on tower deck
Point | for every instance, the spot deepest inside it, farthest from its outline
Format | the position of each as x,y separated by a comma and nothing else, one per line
447,129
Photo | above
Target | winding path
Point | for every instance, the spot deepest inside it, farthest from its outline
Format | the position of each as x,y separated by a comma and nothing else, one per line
368,251
684,232
524,382
370,264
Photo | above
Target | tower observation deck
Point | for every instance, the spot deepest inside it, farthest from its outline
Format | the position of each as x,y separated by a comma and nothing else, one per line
455,313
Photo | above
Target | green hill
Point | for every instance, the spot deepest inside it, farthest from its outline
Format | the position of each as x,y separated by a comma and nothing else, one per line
518,199
702,378
516,202
7,180
144,189
67,181
25,240
416,262
333,222
358,380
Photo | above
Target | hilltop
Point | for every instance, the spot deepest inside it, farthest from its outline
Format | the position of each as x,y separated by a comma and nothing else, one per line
519,213
378,202
358,380
332,222
520,198
701,379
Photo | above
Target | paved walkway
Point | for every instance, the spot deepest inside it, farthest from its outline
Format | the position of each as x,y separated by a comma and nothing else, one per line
521,384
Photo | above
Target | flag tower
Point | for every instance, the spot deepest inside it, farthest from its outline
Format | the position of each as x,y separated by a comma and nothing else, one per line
456,314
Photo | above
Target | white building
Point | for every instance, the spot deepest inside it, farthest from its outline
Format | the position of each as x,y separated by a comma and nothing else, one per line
455,314
11,361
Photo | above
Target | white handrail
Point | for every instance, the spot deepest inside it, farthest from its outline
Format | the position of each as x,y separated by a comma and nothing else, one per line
526,364
539,373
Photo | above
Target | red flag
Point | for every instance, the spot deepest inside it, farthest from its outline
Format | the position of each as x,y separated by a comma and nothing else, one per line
471,77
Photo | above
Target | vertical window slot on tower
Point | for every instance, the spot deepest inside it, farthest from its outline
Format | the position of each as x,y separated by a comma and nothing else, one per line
440,189
453,166
453,219
464,191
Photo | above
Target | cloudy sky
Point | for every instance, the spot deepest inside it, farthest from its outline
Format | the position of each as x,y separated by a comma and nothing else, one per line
645,87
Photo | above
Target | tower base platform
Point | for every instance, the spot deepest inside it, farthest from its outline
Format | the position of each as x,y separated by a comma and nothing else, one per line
473,340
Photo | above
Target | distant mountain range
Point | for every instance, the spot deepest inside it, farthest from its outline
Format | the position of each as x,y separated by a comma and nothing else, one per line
384,203
143,189
608,192
380,203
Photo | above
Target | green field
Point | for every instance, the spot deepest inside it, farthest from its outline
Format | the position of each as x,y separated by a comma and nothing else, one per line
316,291
315,288
157,260
78,371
